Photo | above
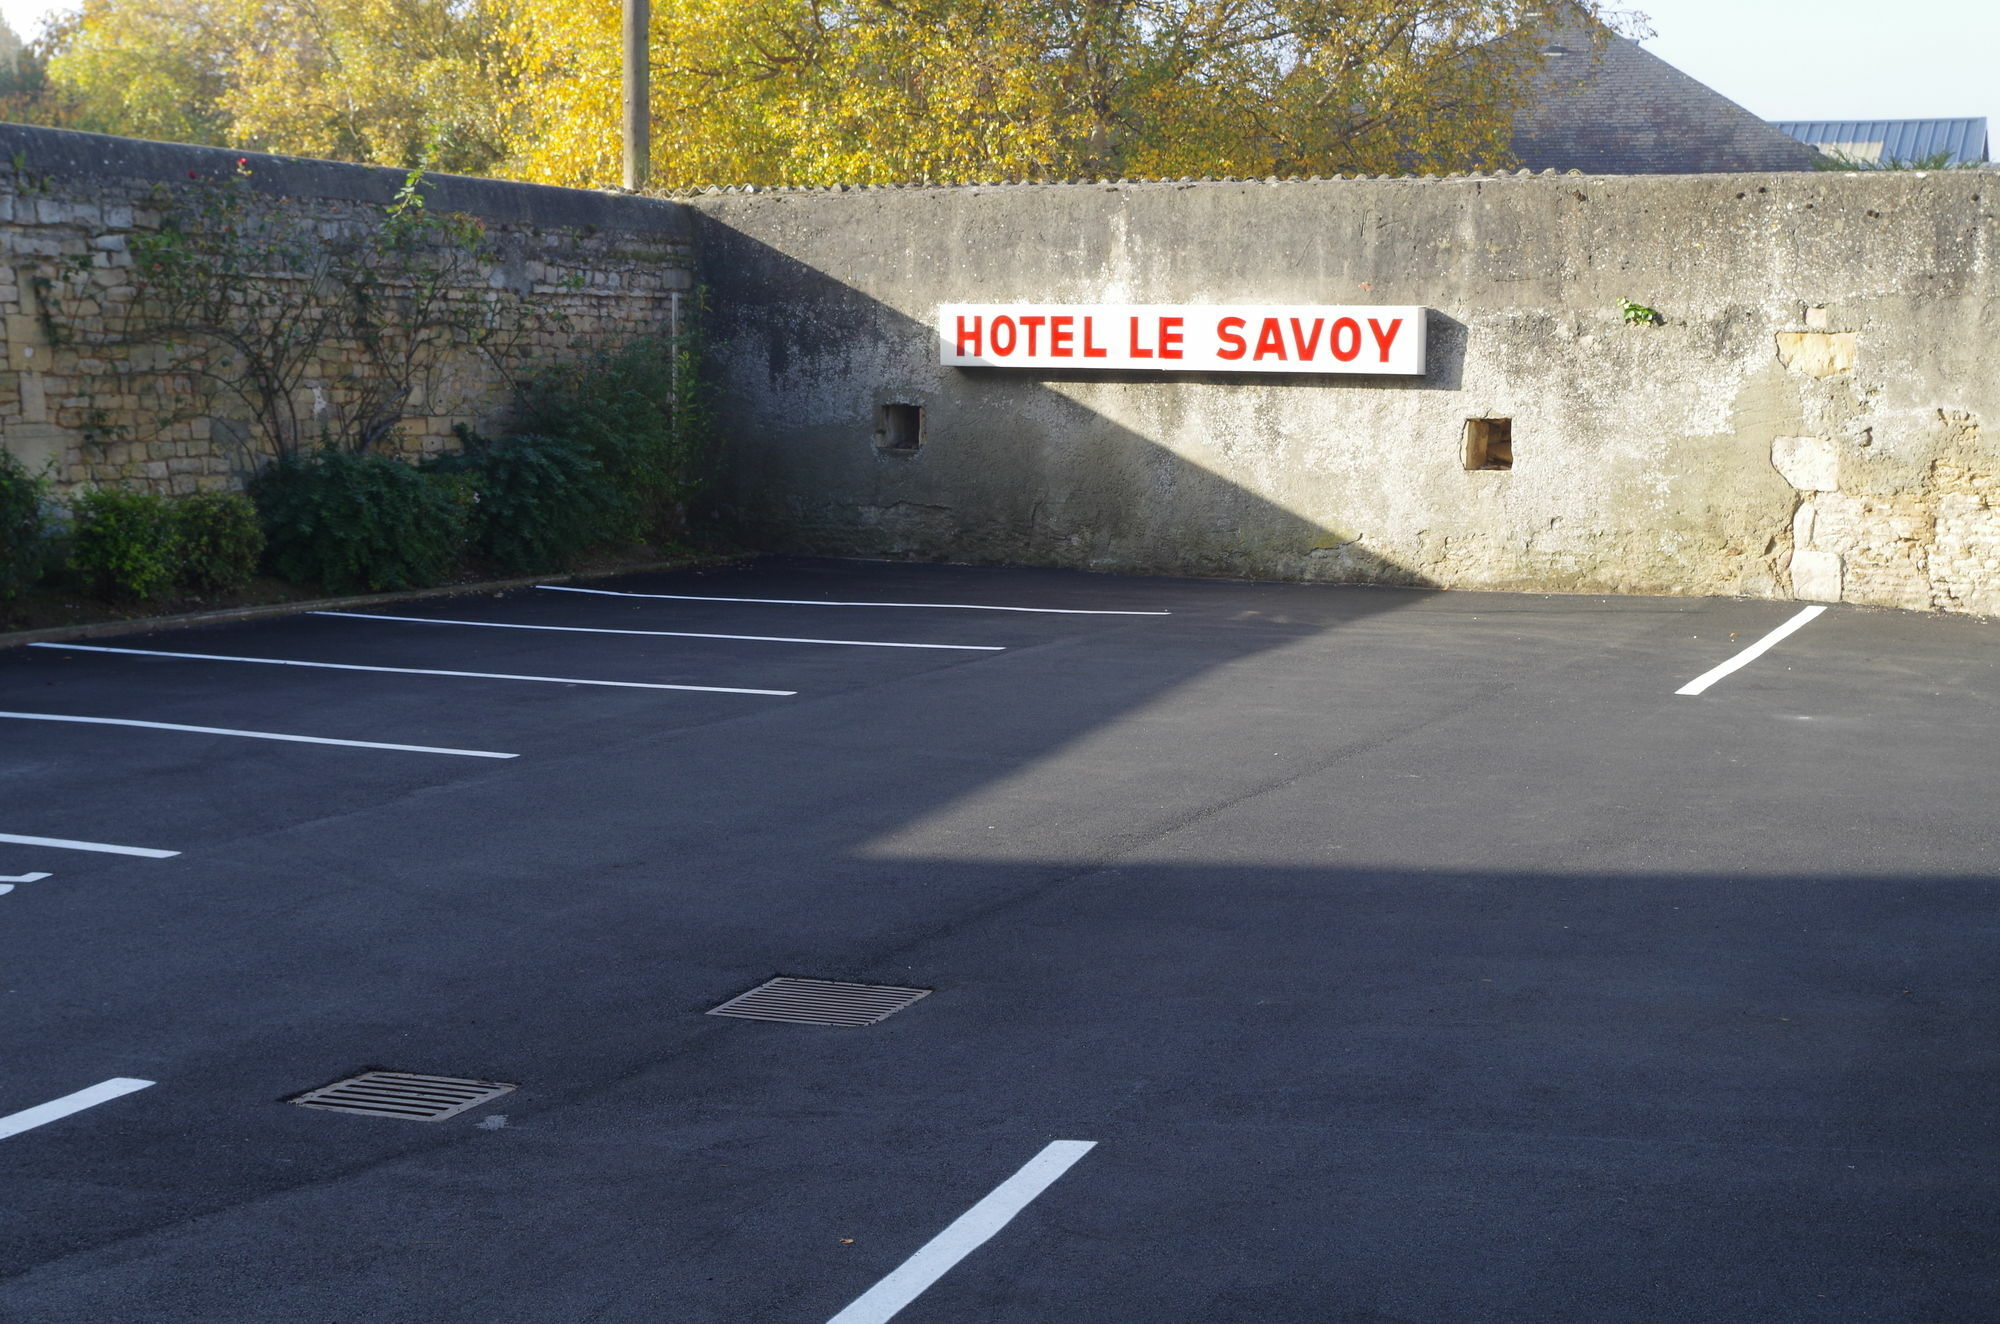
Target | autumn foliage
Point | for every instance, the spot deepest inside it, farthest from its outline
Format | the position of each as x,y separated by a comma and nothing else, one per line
815,91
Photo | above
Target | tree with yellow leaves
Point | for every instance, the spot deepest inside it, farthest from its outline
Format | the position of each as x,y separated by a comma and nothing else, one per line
824,91
870,91
393,82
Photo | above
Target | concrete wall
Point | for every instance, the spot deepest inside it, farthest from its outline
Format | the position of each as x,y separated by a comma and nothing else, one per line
1815,418
594,267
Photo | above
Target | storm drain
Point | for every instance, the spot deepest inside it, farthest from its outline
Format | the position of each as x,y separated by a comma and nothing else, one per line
403,1094
819,1002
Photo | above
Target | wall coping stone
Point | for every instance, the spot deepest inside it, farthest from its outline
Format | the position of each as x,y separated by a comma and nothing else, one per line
67,153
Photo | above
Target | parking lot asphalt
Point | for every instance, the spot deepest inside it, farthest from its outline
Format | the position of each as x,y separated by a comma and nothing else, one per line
1409,958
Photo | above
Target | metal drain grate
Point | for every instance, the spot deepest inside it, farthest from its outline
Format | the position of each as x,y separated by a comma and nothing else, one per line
819,1002
402,1094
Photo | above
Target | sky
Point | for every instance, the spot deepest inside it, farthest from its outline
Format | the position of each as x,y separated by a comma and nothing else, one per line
1780,59
1837,59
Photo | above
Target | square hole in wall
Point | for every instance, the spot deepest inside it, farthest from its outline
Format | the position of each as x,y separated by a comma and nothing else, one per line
1489,443
900,430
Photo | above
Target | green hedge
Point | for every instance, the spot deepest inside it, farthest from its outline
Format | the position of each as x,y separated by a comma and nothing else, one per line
130,544
23,529
539,502
637,411
610,450
222,540
124,544
355,523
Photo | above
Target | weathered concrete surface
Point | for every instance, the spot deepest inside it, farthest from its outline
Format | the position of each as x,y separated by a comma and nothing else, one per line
1815,325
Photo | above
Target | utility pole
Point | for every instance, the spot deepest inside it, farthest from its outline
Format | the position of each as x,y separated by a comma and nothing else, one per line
638,93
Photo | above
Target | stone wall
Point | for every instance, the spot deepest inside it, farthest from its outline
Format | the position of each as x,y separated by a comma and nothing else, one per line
1815,416
569,270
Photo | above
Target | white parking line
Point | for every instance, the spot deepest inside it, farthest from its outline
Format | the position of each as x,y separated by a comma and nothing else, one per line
815,602
255,735
661,634
54,1110
62,843
417,671
972,1229
1750,654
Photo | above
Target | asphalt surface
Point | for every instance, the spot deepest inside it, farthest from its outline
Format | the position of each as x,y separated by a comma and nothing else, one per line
1409,957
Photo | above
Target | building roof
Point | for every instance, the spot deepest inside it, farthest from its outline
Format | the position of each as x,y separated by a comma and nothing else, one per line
1960,142
1606,106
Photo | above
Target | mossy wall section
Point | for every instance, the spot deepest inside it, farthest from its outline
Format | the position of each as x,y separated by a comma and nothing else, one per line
1817,415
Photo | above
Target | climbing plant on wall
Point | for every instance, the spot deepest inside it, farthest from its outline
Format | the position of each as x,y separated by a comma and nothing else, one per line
321,334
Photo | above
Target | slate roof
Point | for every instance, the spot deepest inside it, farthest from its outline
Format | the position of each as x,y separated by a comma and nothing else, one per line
1961,142
1606,106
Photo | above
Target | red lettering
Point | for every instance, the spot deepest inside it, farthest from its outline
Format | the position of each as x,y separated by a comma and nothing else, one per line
1138,351
1270,340
1090,351
1032,325
1170,337
1305,346
1385,339
1225,331
1060,336
998,348
972,333
1351,329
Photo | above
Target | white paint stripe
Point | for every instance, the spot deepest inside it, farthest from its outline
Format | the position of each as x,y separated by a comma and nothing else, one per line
661,634
56,1109
814,602
60,843
25,878
1750,654
973,1229
255,735
415,671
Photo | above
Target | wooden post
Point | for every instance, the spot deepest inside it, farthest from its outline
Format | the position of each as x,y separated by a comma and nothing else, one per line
638,93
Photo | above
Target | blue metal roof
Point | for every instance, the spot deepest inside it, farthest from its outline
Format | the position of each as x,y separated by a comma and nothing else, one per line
1964,141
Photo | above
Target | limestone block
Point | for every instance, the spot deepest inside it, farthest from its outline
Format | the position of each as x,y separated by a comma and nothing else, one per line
39,446
1817,353
1803,520
1816,576
34,398
1888,574
1811,464
24,338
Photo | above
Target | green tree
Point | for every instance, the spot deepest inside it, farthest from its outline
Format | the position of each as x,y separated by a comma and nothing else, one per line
390,82
148,68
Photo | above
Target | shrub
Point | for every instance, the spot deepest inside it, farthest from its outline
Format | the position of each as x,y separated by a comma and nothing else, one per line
221,541
634,410
125,544
23,535
361,522
541,500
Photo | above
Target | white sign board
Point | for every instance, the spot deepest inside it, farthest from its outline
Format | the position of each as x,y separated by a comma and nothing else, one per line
1183,337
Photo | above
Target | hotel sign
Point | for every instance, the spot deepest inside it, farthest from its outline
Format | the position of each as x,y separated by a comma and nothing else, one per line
1178,337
